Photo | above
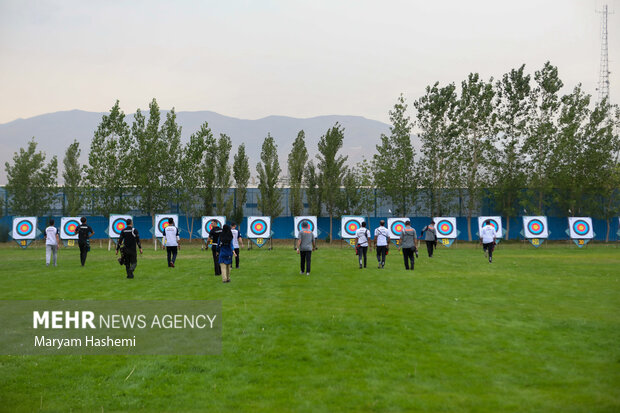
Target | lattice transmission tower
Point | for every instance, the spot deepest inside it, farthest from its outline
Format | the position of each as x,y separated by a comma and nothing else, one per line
603,77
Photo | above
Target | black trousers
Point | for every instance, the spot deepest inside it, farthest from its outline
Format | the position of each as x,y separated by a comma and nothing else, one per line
306,257
381,250
489,248
237,258
362,251
172,251
216,259
83,251
408,256
131,262
430,245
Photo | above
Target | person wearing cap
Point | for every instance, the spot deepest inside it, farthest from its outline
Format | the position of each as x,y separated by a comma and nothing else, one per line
305,245
171,235
382,240
408,244
362,236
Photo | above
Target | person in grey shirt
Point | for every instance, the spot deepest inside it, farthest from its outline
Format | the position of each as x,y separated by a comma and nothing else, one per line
305,244
408,243
430,236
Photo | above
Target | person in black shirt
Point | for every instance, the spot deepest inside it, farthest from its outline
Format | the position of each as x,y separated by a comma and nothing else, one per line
128,240
214,236
84,233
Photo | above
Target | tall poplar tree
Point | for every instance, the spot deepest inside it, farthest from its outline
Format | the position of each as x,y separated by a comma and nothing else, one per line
297,159
223,176
241,174
72,175
268,169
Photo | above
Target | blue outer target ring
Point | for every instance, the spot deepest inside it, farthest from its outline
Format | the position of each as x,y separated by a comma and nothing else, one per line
350,231
584,223
115,224
66,227
394,225
534,231
310,225
208,224
162,224
444,222
258,231
19,228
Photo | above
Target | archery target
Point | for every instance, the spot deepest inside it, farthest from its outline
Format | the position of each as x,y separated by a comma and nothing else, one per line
535,227
496,222
259,227
349,225
117,224
161,222
24,228
69,227
209,222
580,227
396,226
445,227
298,221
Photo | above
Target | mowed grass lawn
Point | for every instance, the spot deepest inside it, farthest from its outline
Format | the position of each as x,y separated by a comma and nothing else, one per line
537,330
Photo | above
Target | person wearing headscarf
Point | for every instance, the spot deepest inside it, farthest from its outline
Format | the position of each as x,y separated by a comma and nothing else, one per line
226,252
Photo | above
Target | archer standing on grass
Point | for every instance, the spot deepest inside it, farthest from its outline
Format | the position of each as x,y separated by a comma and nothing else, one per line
305,245
487,239
128,240
226,252
382,240
52,241
408,243
214,237
171,234
84,234
236,241
362,237
430,236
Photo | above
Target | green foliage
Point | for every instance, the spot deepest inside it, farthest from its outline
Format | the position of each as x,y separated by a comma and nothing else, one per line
542,134
109,173
190,177
314,192
31,184
332,169
297,159
438,166
223,176
507,159
207,168
241,174
350,201
475,119
394,162
73,175
269,200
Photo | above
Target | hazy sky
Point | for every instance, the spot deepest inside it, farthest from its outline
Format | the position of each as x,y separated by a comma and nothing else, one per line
251,59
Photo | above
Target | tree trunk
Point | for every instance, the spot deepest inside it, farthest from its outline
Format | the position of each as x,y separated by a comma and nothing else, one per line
608,229
507,226
191,230
330,227
469,226
154,237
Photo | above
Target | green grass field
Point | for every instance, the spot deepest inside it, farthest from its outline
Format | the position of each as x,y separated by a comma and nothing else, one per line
537,330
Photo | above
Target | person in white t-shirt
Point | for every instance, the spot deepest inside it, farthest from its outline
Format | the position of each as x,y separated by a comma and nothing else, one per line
382,240
362,236
52,241
171,235
487,239
236,241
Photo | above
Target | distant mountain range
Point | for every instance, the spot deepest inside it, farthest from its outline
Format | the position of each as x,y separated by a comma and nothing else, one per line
55,131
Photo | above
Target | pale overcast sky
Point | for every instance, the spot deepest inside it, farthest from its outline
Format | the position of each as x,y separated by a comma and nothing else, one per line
251,59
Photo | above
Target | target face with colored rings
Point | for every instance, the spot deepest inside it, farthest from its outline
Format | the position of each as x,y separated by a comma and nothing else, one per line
301,223
212,223
349,226
258,227
161,222
496,223
535,226
396,226
445,227
69,227
119,225
24,228
580,227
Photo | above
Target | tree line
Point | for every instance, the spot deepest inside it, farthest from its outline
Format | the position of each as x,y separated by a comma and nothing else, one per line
516,142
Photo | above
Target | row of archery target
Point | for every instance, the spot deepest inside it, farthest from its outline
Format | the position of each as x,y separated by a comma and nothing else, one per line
24,228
